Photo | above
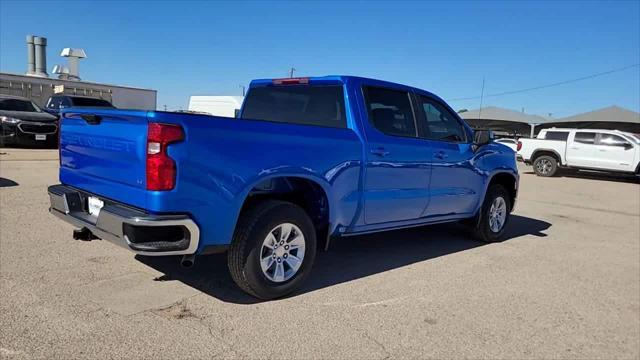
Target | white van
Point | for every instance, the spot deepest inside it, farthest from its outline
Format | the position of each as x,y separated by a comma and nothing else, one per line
227,106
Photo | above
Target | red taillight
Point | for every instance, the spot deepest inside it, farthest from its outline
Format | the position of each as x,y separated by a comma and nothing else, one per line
519,146
290,81
161,169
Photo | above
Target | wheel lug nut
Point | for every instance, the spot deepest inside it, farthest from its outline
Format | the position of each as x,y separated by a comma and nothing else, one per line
279,259
284,256
286,247
281,242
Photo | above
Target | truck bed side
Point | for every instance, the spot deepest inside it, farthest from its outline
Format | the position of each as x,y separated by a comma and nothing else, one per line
531,146
219,161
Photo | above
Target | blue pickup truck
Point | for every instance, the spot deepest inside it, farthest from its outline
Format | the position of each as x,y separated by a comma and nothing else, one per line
308,160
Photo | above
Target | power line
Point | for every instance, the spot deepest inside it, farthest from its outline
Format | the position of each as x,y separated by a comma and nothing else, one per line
548,85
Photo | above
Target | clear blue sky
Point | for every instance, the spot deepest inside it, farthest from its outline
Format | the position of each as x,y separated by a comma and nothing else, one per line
188,48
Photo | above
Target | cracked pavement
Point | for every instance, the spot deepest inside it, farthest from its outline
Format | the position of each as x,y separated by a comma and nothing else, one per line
566,284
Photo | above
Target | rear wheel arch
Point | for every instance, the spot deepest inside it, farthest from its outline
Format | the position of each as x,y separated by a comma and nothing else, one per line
548,152
304,192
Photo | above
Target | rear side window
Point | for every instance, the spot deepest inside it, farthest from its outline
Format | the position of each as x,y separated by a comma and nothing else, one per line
585,137
306,105
557,135
390,111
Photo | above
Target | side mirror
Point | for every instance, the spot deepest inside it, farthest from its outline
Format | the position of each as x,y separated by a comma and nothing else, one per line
482,137
627,146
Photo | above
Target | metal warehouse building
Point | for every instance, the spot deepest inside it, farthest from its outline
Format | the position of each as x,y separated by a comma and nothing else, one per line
518,124
38,86
39,89
503,121
612,117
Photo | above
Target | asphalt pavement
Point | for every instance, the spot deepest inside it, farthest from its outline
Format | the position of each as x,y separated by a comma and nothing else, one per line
564,285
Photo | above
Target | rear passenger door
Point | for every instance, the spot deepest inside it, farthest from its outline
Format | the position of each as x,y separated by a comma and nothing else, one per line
581,150
397,173
456,186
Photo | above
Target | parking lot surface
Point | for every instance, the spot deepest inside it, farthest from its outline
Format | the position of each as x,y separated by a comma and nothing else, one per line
565,284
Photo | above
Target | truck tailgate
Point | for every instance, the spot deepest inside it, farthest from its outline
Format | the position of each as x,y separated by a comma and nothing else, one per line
103,152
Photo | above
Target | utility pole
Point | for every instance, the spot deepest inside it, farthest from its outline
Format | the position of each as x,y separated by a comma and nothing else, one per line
481,98
243,89
291,71
165,107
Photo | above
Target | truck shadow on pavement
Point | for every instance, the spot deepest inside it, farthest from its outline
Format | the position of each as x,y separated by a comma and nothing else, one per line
7,182
594,175
348,258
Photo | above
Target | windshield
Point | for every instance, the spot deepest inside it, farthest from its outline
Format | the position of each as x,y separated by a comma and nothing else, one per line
90,102
18,105
635,137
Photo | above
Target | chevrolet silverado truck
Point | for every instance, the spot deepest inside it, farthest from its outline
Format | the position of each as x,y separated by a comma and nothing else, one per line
306,161
581,149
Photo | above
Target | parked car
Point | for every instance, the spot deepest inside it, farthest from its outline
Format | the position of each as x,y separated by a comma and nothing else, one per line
511,143
59,102
590,149
308,160
22,122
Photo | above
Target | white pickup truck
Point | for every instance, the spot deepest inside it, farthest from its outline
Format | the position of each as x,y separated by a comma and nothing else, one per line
590,149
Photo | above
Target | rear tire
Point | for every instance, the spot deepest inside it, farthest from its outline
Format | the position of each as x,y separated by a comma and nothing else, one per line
545,166
492,220
268,237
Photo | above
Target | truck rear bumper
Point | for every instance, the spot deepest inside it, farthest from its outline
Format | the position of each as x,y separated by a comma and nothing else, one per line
142,233
521,159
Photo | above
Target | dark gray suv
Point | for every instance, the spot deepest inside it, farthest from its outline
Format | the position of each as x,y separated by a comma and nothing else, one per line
23,123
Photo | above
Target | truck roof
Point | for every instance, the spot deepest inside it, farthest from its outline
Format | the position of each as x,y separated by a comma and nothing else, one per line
345,79
585,130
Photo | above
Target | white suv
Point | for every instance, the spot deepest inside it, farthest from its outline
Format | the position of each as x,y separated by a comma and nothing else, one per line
602,150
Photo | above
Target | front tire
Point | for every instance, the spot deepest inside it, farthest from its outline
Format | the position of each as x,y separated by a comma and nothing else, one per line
273,249
545,166
494,215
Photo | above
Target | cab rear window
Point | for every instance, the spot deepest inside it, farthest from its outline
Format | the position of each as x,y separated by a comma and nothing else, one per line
293,104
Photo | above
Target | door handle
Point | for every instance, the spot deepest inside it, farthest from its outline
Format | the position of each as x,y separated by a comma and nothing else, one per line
379,151
441,155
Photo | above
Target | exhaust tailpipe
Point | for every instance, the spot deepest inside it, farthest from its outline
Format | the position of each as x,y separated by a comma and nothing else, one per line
188,261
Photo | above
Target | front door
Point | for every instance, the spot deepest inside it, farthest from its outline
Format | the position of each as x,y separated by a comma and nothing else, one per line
396,184
455,182
613,152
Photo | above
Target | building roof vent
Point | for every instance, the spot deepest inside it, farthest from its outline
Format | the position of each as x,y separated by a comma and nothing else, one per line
62,72
73,57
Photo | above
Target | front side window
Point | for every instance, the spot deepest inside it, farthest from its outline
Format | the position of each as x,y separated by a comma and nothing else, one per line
441,124
612,140
293,104
556,135
390,111
585,137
